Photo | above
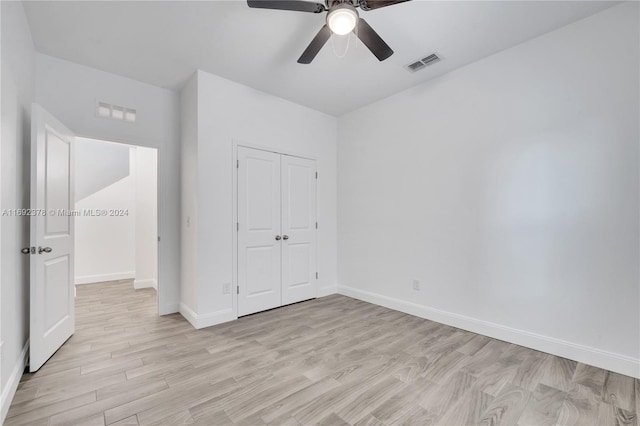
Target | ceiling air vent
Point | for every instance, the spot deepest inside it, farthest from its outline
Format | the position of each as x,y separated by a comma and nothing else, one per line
424,62
416,66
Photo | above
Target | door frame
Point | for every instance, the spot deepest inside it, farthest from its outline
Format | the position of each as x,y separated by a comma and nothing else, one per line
234,211
159,216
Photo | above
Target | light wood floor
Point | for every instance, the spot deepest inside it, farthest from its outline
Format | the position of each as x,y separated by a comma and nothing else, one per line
330,361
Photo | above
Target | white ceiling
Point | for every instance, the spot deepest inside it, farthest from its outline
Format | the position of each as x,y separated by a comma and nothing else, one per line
164,42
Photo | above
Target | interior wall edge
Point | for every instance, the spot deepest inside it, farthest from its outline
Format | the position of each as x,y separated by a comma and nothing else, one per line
11,387
588,355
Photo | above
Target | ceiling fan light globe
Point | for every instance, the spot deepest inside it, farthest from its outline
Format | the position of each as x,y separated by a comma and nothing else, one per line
342,20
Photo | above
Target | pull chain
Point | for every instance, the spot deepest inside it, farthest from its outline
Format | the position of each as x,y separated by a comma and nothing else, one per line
333,44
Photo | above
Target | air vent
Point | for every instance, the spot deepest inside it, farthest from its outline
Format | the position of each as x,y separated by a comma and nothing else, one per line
416,66
424,62
430,59
116,112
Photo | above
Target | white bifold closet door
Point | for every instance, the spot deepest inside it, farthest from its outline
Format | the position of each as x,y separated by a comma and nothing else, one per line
298,228
259,222
276,230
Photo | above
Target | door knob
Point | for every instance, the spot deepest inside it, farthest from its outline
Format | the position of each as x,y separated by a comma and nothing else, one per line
278,237
285,237
25,250
44,250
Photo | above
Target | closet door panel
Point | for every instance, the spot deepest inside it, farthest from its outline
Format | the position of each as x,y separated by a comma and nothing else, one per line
259,226
299,248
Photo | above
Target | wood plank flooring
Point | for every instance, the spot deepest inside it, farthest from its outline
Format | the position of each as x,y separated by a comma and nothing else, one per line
330,361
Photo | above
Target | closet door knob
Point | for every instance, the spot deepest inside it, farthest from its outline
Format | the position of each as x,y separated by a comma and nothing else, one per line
278,237
285,237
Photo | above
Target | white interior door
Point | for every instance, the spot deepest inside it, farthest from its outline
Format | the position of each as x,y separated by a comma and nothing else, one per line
52,195
259,237
298,229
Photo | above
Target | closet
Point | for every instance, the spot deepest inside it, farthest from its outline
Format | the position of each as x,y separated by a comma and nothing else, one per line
276,230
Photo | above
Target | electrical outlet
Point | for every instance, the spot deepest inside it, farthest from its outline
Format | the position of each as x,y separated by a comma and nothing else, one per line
226,288
416,285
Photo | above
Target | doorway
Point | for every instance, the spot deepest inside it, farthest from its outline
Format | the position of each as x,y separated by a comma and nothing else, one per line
116,214
276,226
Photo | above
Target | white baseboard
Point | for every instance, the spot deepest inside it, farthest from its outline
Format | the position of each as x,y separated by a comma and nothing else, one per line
597,357
189,315
12,384
326,291
90,279
149,283
206,320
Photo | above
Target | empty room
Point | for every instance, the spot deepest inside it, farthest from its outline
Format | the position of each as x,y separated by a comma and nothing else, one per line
342,212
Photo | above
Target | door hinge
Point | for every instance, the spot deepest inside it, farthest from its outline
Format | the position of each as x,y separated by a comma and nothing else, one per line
316,225
238,290
237,164
316,275
237,226
316,175
158,239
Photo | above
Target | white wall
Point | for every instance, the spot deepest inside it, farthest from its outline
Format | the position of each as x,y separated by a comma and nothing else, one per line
509,188
17,93
69,91
105,246
229,112
146,217
115,247
98,164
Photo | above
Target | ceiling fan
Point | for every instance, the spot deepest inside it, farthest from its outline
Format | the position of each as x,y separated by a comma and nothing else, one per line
342,18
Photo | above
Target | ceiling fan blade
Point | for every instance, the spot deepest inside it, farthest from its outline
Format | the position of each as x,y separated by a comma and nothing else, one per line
372,40
295,5
316,44
377,4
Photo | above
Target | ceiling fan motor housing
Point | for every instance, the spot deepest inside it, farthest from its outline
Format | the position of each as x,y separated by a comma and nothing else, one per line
332,3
